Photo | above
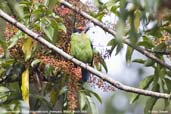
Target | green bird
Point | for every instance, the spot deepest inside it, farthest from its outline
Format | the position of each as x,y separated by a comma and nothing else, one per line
81,49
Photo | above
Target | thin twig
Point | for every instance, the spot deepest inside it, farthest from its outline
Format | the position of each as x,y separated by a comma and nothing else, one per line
106,78
107,29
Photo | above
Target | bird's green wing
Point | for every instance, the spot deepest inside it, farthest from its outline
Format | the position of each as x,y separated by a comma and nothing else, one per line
81,47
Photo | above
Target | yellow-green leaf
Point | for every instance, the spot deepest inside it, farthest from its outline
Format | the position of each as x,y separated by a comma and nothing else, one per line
137,19
25,86
27,48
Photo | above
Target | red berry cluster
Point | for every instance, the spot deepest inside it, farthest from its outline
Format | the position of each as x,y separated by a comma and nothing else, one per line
97,82
10,30
74,75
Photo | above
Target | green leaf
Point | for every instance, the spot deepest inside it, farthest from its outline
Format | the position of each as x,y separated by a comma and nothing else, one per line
149,63
97,3
37,14
5,7
2,28
168,29
35,62
4,94
137,15
147,42
103,63
149,105
112,42
98,66
53,96
160,48
115,43
156,31
82,100
58,26
42,100
50,3
119,48
129,53
25,86
63,90
62,27
96,95
27,48
168,84
143,85
19,106
16,9
49,31
141,61
6,63
151,101
14,39
92,109
99,16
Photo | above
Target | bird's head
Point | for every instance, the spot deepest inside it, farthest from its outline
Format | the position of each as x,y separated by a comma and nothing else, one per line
81,29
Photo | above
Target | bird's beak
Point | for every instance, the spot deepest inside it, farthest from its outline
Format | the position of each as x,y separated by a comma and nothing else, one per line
81,28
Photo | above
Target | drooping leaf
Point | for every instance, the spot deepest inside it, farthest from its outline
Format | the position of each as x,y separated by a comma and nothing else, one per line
92,108
129,53
27,48
35,62
97,3
166,89
103,63
53,96
147,43
155,31
2,29
149,105
115,43
14,39
137,15
149,63
141,61
98,67
168,84
160,48
4,6
42,100
58,26
112,43
50,3
82,100
16,9
151,101
4,94
49,31
19,106
95,95
25,86
62,27
63,90
119,48
143,85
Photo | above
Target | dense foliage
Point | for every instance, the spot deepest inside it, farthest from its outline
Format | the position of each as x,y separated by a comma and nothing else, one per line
55,82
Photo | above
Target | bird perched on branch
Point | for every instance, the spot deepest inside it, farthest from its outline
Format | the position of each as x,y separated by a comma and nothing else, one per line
81,49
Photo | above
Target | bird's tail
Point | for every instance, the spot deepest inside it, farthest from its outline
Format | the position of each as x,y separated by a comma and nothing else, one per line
85,74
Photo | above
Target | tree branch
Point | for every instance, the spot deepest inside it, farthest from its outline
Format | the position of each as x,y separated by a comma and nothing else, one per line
107,29
106,78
